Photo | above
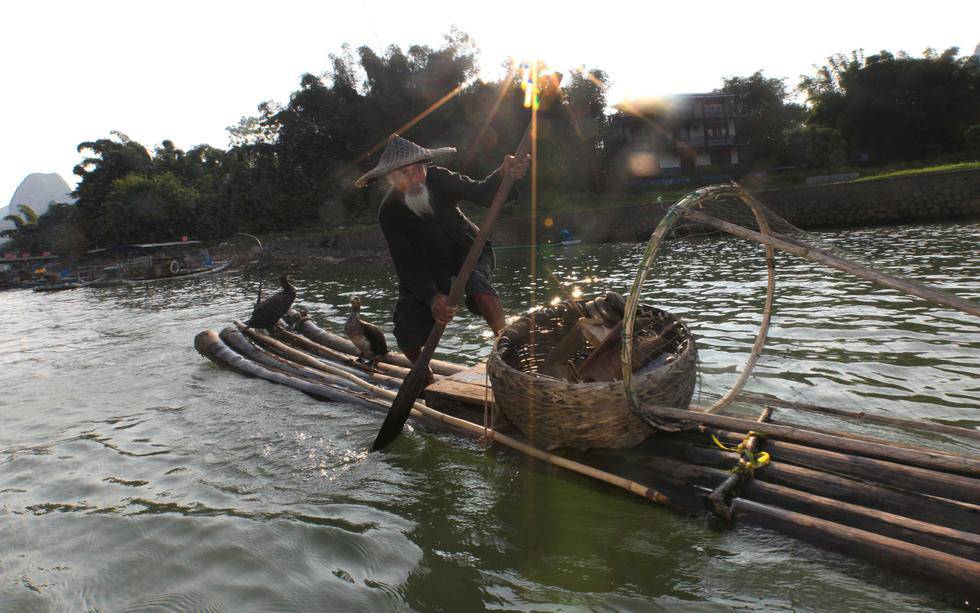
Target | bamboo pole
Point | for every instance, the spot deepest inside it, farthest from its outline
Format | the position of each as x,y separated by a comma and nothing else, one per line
826,258
963,465
957,542
302,343
963,576
210,346
233,338
663,470
911,424
912,478
335,341
941,511
903,523
290,354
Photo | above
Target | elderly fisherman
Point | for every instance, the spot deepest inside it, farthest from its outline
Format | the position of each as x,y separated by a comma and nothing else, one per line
429,237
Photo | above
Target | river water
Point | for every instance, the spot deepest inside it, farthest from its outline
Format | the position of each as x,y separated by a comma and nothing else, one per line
136,475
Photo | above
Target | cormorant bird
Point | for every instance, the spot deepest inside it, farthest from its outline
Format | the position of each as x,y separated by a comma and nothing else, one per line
267,313
368,338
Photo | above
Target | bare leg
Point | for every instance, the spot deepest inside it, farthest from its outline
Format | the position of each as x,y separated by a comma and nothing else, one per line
492,311
413,354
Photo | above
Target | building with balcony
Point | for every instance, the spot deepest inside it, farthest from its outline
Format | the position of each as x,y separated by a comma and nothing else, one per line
682,135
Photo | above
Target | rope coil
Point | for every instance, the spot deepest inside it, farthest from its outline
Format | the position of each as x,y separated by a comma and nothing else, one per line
748,460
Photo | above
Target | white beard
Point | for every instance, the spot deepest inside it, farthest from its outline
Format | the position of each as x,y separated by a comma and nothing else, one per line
419,202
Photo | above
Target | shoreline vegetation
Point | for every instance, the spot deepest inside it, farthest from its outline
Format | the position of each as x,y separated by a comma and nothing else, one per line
292,165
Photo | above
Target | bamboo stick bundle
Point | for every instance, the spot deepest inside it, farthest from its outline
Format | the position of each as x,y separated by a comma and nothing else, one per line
233,338
880,533
290,354
959,574
334,341
863,416
957,542
911,478
914,505
211,346
304,344
958,464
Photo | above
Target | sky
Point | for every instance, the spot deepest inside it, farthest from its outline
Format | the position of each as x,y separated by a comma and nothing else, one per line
184,71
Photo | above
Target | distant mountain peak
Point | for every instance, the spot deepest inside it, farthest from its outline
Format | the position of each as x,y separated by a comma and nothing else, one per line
38,190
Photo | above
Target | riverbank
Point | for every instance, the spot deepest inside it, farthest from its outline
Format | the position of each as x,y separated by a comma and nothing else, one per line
913,198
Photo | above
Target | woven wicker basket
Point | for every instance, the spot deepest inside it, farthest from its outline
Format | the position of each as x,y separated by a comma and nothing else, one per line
553,412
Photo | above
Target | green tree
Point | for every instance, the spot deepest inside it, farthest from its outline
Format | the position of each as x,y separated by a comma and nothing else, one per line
585,99
897,107
24,235
816,147
768,115
141,208
971,139
60,229
110,159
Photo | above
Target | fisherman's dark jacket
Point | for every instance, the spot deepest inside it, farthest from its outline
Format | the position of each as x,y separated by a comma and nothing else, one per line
429,250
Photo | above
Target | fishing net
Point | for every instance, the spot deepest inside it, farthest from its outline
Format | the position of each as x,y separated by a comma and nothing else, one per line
817,325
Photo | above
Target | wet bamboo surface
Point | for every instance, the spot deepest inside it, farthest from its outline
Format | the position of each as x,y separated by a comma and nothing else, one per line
908,509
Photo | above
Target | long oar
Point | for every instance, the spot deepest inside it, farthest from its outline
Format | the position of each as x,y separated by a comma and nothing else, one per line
412,387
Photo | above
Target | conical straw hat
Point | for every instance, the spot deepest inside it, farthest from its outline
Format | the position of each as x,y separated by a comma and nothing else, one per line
401,152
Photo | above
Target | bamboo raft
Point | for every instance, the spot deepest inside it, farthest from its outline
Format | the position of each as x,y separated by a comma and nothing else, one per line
915,510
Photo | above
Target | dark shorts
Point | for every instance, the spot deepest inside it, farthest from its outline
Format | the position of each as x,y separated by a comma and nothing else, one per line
413,318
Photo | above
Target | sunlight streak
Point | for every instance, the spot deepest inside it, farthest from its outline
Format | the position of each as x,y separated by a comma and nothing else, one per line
501,92
411,122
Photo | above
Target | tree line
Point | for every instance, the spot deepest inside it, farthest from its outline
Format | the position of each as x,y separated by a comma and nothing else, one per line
294,164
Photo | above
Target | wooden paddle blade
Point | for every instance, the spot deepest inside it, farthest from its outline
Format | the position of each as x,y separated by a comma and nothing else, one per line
409,391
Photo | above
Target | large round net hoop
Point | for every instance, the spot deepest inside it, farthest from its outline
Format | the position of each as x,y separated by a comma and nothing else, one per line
675,214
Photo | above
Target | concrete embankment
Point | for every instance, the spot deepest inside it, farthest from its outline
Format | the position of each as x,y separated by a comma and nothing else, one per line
932,197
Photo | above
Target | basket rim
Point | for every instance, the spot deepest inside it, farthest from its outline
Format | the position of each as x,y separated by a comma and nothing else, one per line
499,362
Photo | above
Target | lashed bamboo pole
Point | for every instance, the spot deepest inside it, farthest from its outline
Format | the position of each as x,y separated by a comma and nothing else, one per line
911,478
237,341
963,465
941,511
826,503
335,341
961,575
957,542
300,342
293,355
211,346
909,424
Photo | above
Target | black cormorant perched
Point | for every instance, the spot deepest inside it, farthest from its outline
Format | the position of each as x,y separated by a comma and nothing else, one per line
267,313
368,338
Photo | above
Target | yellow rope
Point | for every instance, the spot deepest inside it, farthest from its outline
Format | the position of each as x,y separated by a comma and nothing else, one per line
749,460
